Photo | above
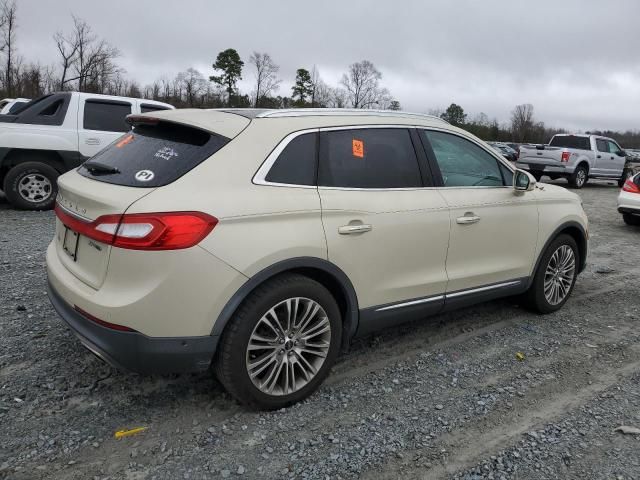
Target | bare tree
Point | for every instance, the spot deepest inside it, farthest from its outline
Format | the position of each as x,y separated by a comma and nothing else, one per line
522,122
92,59
267,81
8,26
362,84
193,83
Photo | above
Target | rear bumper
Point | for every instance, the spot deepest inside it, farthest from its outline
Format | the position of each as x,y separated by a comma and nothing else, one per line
631,210
135,351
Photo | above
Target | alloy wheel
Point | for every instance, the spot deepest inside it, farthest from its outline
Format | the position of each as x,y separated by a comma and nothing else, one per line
581,177
288,346
559,275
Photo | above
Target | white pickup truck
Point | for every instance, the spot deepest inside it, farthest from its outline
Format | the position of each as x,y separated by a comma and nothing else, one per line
574,157
55,133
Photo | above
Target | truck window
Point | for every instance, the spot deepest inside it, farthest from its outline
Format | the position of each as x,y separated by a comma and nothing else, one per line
106,116
571,141
601,145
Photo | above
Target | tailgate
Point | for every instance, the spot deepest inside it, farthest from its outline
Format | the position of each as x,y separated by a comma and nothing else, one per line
548,156
84,200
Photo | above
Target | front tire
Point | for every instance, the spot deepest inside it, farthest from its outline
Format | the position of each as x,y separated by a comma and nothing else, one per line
281,343
630,219
555,276
32,186
579,177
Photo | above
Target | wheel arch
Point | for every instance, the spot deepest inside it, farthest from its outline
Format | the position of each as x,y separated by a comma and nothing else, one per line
578,233
320,270
10,157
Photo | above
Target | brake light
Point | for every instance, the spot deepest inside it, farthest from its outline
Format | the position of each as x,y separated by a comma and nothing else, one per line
630,187
144,231
565,156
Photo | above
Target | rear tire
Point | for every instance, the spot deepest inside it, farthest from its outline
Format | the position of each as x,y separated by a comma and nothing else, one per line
265,358
631,219
32,186
579,177
626,174
555,276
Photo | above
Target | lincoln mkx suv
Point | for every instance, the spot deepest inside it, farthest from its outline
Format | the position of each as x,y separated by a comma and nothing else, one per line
258,243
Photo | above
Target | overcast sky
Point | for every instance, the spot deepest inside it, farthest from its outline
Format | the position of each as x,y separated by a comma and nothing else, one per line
576,61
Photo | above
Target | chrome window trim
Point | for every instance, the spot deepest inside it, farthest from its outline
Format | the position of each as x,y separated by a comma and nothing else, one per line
410,303
259,177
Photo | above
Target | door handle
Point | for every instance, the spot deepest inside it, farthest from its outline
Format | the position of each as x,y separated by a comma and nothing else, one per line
467,219
351,229
599,156
92,141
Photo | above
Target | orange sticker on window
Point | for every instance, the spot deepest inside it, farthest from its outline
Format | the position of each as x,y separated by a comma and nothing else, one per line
126,140
358,148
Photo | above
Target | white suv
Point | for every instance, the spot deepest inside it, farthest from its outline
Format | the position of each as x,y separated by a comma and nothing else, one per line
261,242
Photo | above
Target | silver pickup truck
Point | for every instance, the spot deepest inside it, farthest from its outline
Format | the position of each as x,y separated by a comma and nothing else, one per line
574,157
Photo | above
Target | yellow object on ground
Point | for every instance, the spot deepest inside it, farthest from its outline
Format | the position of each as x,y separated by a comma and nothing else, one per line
127,433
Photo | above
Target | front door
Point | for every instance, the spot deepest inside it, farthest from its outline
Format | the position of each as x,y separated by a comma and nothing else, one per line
383,229
100,122
494,231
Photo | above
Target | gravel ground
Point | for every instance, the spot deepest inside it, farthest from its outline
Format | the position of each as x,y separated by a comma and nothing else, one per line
443,398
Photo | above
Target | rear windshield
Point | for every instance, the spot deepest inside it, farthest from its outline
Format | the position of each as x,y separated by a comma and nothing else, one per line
152,155
570,141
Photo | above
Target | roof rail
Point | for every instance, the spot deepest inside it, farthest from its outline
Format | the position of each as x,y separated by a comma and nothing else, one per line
309,112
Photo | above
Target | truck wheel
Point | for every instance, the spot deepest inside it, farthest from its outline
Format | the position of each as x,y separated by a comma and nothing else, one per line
31,186
626,174
579,177
536,175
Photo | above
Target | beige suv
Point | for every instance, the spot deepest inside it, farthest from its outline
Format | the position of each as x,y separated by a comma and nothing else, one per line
261,242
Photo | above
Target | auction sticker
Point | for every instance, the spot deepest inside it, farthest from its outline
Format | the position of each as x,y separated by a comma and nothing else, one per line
357,148
144,175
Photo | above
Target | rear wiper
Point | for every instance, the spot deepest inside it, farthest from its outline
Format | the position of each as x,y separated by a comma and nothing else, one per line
98,167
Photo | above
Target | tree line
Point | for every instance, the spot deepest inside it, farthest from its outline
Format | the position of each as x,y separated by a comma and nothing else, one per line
87,63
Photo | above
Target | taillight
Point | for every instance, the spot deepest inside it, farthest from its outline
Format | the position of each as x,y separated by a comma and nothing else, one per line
565,156
630,187
144,231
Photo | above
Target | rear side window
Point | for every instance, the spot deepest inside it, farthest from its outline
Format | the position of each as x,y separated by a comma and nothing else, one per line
462,163
16,107
570,141
368,158
106,116
153,155
146,108
296,165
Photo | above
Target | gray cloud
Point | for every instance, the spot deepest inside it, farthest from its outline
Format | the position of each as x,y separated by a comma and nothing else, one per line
575,61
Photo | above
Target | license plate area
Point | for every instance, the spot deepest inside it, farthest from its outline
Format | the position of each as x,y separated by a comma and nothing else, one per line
70,243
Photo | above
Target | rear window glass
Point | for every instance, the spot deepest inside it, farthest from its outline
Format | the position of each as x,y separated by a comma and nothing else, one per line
569,141
152,155
106,116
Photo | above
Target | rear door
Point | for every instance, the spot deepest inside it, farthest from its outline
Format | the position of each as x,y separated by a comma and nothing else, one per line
383,229
100,122
493,231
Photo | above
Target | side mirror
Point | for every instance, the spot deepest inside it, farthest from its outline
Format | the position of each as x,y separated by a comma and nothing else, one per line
621,153
523,181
